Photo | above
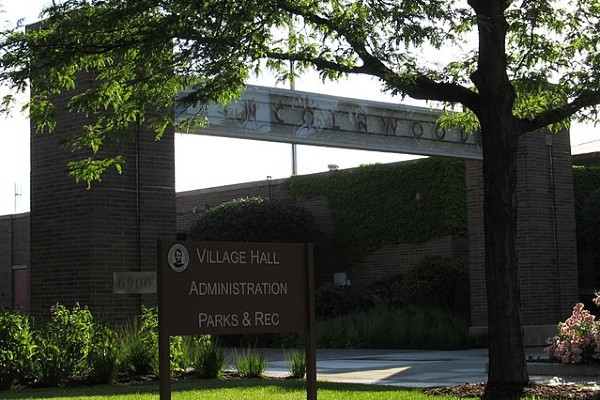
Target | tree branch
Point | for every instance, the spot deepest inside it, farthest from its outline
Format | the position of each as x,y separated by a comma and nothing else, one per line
419,86
584,100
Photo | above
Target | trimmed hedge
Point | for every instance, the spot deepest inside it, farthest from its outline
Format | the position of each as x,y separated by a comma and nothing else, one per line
255,219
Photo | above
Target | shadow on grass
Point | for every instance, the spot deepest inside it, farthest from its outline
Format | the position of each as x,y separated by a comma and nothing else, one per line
290,385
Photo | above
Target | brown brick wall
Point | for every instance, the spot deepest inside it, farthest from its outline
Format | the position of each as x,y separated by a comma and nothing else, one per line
474,183
385,261
546,241
14,250
391,260
79,237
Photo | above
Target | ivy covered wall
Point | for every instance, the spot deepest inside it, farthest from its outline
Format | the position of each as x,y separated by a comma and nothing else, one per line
586,182
382,204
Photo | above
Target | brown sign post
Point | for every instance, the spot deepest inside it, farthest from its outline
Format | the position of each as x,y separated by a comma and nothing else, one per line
230,288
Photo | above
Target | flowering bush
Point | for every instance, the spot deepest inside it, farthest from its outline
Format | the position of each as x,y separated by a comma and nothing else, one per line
578,338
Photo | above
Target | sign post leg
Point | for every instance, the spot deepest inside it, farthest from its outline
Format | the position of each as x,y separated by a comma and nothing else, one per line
311,337
164,366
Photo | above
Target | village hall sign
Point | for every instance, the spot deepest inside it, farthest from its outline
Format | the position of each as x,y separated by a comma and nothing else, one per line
280,115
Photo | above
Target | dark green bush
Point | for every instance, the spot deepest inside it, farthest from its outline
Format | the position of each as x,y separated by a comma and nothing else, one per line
17,347
589,224
405,328
255,220
332,300
62,345
388,290
439,276
586,182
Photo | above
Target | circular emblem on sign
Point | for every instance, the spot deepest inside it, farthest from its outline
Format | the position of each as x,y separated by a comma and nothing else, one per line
178,258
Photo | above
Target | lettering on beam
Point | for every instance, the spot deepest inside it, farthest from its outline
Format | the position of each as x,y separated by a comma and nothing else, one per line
281,115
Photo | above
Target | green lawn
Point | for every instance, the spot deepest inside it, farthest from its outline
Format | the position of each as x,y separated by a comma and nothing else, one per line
243,389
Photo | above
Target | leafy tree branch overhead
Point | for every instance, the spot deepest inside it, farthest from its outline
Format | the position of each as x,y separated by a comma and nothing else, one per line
550,52
511,66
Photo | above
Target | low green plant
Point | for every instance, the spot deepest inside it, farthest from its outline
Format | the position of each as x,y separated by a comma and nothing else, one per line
251,364
208,358
332,301
138,353
405,328
102,356
388,290
17,347
62,345
440,276
139,346
296,364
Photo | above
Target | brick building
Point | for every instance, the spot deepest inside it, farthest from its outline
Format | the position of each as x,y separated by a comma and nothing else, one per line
79,239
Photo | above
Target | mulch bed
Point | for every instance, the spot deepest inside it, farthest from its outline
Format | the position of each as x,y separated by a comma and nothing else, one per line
472,390
550,392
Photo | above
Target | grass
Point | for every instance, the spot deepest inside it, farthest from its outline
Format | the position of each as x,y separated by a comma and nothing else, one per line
236,389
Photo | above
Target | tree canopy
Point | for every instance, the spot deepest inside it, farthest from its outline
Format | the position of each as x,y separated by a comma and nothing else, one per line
145,52
510,66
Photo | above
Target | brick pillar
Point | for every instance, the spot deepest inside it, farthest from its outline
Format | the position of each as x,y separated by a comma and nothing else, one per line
474,186
546,239
80,237
6,262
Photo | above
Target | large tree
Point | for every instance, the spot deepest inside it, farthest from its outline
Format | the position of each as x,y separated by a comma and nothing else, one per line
511,66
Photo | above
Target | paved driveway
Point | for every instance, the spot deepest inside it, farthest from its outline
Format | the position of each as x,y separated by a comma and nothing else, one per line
409,368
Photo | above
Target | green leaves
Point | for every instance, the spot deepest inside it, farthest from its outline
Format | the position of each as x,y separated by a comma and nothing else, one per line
91,169
121,64
255,219
415,202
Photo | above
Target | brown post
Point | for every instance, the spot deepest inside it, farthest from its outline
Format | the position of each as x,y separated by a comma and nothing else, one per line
311,341
164,364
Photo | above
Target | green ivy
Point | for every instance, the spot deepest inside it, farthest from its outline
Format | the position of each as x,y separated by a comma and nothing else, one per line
384,204
586,181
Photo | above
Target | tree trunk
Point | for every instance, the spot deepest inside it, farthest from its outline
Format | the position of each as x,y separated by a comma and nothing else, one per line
499,130
506,349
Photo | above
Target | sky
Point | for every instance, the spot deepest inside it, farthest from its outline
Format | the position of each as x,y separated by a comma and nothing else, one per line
205,161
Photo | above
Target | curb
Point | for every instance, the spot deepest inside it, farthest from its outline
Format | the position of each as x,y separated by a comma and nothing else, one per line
556,369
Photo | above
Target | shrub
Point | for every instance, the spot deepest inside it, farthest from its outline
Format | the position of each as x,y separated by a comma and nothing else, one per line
296,364
17,347
255,219
136,356
251,364
63,345
578,338
388,290
102,356
332,301
405,328
140,346
208,358
439,276
589,223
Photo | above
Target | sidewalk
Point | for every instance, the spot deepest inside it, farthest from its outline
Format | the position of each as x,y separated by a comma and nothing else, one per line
409,368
